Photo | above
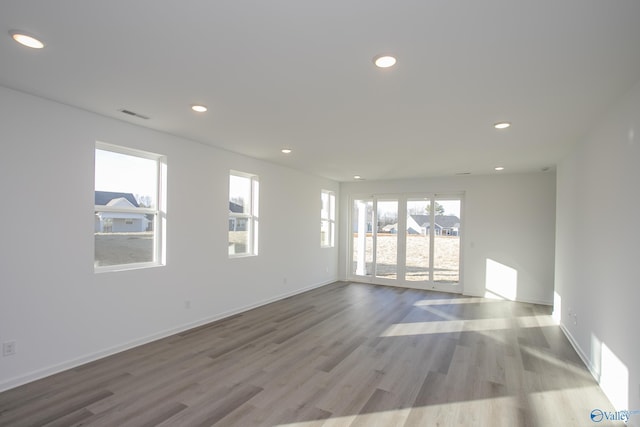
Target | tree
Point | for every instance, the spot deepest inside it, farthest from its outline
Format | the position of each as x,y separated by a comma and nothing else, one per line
143,201
439,209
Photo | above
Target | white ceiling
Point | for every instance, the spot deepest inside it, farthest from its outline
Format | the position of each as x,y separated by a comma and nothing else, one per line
299,74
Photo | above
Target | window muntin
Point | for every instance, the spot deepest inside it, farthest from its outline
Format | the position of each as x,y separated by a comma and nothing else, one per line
327,219
244,192
418,240
127,228
362,229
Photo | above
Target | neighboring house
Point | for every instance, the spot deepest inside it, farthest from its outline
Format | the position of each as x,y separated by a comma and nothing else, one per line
237,224
119,222
390,228
449,225
418,224
102,198
445,225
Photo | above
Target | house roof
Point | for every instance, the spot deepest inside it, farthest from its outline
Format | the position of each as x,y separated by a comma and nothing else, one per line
448,221
421,220
235,208
120,202
102,198
442,221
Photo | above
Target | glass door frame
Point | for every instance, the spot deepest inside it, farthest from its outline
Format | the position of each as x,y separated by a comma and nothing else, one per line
401,252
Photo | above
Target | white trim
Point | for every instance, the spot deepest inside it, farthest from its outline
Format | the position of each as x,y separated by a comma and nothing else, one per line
105,208
63,366
581,353
125,267
244,255
105,146
253,218
402,199
331,213
525,300
242,174
239,215
159,212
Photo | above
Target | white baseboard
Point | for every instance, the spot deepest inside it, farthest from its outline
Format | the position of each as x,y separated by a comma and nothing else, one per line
524,300
583,356
54,369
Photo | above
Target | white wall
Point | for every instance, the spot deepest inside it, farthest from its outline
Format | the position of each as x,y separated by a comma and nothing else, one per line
60,313
507,218
598,238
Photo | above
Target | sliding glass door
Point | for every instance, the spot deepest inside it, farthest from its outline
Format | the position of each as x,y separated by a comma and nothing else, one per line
408,241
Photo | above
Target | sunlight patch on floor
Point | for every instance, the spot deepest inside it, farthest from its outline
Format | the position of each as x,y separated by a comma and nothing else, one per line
471,300
500,411
570,407
567,406
535,321
451,326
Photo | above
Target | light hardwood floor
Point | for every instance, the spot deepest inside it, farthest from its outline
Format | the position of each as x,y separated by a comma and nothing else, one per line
342,355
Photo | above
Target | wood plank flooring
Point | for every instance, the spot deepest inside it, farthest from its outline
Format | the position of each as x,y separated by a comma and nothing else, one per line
345,354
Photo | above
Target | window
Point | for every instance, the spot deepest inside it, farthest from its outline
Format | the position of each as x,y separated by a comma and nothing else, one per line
243,214
327,219
129,208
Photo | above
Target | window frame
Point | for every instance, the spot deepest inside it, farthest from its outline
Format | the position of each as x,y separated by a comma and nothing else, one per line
454,287
330,219
158,212
252,217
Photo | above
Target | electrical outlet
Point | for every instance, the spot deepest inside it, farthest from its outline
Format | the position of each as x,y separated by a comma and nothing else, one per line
8,348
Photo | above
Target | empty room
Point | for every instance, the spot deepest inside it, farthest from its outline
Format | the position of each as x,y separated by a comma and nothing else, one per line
289,213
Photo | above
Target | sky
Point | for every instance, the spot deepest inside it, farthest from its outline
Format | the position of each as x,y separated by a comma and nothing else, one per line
239,188
128,174
451,207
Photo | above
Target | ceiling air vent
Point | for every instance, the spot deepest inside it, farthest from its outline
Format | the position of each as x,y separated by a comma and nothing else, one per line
132,113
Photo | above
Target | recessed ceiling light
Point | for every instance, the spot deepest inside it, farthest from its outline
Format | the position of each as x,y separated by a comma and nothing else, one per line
502,125
199,108
286,150
499,168
26,40
357,177
384,61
